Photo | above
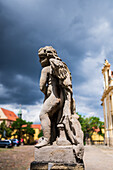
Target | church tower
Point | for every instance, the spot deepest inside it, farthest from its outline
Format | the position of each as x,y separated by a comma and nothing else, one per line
107,103
20,113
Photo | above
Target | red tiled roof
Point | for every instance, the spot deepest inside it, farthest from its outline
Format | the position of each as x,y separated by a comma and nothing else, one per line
24,125
96,130
34,126
9,114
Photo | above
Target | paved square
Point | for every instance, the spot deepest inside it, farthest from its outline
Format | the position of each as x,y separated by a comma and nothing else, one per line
98,157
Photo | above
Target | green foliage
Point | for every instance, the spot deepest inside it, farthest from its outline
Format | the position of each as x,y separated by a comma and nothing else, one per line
89,124
4,130
17,125
29,131
40,134
20,130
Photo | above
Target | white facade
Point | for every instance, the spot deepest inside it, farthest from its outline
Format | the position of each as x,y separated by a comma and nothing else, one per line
107,102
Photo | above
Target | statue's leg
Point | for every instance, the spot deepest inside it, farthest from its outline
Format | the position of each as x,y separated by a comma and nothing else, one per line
45,123
67,115
68,129
50,106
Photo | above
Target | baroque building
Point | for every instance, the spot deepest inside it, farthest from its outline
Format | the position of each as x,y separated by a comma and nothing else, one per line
107,103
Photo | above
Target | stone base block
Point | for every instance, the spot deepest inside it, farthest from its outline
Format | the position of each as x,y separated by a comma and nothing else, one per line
55,154
50,166
56,157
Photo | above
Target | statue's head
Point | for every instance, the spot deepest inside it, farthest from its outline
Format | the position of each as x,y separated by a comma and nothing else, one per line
45,54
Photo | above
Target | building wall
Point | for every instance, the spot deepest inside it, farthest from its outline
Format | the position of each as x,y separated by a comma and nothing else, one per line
32,139
1,121
107,102
37,131
98,139
2,116
7,122
108,118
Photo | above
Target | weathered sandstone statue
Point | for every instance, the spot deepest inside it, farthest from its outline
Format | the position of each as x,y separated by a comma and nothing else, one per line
60,125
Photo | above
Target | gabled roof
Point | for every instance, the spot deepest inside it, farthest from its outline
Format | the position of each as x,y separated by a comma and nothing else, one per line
9,114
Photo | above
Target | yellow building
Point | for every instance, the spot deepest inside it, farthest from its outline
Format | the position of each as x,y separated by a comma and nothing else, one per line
107,103
37,128
96,138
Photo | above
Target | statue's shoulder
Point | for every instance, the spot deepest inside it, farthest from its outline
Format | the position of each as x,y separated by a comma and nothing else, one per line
46,69
59,68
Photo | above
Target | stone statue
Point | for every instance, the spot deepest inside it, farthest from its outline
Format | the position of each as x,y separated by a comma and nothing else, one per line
61,146
58,116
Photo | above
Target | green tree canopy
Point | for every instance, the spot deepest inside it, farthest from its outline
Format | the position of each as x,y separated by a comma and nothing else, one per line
16,126
29,131
21,127
40,134
4,130
89,124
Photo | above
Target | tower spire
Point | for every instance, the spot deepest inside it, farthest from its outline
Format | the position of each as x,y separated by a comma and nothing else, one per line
20,112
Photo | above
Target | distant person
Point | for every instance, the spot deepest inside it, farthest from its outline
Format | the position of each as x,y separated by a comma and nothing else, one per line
22,141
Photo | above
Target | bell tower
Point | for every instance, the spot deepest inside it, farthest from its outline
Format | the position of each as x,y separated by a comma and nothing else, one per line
106,73
20,112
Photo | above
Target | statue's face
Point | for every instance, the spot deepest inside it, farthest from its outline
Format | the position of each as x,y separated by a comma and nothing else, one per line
45,54
43,58
44,61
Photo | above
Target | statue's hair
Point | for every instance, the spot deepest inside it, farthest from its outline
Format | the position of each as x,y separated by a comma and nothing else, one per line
49,51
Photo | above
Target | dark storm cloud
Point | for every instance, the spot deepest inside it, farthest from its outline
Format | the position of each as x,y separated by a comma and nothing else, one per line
25,27
20,89
80,31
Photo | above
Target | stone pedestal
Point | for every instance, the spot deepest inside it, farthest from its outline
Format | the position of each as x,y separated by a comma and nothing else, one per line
50,166
55,157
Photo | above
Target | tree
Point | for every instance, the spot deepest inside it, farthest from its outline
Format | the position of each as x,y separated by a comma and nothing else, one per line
89,124
40,134
16,126
21,127
29,131
5,131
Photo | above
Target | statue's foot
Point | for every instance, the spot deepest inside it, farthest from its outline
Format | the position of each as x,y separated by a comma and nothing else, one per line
43,142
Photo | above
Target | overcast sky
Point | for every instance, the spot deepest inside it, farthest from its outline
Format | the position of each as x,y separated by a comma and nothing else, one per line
81,31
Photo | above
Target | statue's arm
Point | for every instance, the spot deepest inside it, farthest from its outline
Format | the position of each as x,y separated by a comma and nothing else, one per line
43,79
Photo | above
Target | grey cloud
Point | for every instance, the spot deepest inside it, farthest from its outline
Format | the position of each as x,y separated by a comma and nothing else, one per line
66,25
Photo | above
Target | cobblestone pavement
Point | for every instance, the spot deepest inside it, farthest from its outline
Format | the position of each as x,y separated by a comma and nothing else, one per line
17,158
98,157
